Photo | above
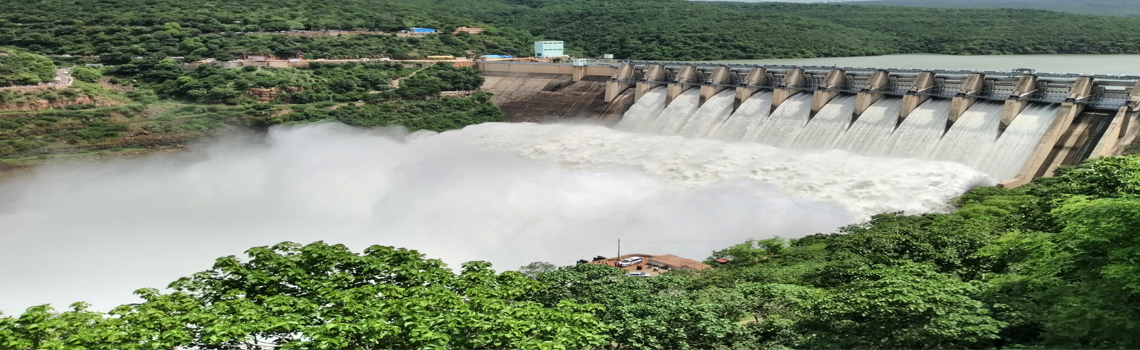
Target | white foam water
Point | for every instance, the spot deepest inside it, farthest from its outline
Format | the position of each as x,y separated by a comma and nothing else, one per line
679,112
507,193
640,116
751,113
785,123
864,185
710,115
825,129
918,135
868,134
1005,159
972,135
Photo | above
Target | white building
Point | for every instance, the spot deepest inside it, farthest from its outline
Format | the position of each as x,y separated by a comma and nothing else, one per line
548,49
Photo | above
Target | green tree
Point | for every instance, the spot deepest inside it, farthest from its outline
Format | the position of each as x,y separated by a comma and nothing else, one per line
40,328
909,306
86,74
644,313
325,296
1085,280
536,268
21,68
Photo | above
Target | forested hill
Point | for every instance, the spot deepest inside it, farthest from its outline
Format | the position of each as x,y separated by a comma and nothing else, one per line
1128,8
674,29
118,30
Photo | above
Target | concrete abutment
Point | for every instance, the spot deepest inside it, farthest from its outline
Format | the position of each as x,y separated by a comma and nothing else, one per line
791,85
920,91
719,80
684,80
831,87
1017,101
871,93
751,84
967,95
652,77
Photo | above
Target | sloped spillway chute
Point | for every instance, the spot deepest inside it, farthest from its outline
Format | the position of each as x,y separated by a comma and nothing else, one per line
974,139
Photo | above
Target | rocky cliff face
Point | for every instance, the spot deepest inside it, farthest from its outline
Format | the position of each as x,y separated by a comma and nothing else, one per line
35,105
270,94
263,95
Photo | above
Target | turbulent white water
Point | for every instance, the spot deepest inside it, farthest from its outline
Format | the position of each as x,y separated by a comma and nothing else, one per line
507,193
678,113
641,116
785,123
972,135
710,115
873,129
1014,146
972,140
919,133
827,126
751,113
863,185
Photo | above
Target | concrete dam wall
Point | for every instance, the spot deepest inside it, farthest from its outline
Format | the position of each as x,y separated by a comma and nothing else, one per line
543,97
1013,126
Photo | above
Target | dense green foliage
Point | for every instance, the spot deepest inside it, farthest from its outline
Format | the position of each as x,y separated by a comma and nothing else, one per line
978,32
677,29
1125,8
432,80
315,83
436,115
321,296
641,29
18,67
86,74
120,30
152,104
1048,265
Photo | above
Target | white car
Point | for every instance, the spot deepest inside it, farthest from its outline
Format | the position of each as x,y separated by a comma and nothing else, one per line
639,274
630,261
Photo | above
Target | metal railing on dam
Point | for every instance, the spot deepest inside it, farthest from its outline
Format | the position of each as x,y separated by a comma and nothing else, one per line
1108,91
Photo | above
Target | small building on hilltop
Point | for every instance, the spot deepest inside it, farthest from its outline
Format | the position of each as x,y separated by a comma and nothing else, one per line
472,31
548,48
673,262
652,265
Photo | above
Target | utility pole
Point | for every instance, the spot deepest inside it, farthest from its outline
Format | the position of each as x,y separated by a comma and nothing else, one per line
619,248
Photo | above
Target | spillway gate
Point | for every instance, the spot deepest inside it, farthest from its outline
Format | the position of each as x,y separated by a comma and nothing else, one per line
1095,114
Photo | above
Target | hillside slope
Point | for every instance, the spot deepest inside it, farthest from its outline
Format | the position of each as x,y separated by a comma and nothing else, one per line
677,29
21,68
1126,8
119,30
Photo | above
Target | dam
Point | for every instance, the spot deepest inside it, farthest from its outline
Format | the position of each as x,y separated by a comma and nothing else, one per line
1011,125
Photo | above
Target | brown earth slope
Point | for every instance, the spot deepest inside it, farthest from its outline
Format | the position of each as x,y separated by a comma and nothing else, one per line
532,97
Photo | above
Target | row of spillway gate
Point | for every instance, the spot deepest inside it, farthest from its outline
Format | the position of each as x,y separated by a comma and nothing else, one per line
1014,126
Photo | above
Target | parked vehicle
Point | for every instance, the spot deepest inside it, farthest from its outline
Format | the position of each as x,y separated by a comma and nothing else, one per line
639,274
630,261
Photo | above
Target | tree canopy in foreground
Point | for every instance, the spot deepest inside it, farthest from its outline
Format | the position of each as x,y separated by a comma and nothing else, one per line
1048,265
